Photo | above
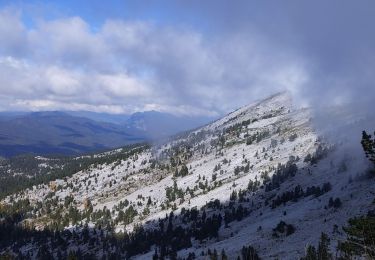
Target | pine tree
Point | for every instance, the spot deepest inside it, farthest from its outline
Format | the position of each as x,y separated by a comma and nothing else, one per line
249,253
223,255
368,145
233,196
323,250
310,253
360,238
184,170
155,255
214,256
247,168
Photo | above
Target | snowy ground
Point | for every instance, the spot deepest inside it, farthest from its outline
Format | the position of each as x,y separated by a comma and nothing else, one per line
135,180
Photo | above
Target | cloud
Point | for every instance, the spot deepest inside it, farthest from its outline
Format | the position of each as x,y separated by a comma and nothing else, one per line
119,86
12,32
230,55
139,64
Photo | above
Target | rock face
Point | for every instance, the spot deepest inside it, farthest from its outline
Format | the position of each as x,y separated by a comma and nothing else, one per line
261,172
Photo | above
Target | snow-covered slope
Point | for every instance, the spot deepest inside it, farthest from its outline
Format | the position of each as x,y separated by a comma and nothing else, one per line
248,159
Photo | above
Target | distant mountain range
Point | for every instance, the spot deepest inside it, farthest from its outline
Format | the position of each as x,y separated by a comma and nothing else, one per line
118,119
70,133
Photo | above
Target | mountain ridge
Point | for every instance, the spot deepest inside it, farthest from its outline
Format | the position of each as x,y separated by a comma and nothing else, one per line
259,178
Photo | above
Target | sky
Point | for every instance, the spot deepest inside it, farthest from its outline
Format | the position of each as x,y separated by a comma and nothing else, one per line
201,58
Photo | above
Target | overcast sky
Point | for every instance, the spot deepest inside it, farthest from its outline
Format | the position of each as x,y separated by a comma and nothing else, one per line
185,57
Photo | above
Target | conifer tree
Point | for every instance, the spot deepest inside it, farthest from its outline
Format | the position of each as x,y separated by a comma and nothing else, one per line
368,144
360,238
223,255
249,253
323,250
310,253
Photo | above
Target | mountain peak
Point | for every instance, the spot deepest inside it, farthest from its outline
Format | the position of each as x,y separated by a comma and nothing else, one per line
277,104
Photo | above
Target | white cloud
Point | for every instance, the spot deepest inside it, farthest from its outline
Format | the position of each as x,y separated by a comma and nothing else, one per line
129,66
12,33
121,85
62,82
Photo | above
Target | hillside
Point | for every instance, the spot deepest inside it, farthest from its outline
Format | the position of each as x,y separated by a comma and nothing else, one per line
260,182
